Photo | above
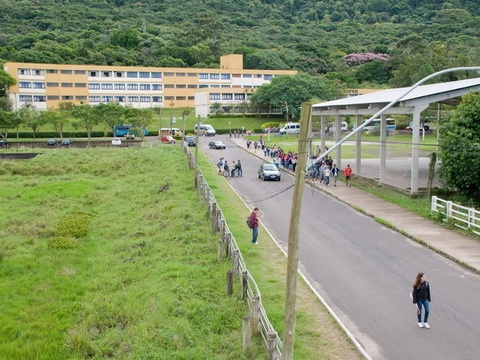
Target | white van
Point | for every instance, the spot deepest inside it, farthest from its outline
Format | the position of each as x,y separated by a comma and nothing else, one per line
170,131
206,130
343,127
290,128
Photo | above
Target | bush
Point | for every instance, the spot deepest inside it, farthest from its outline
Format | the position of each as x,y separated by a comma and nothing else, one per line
62,242
73,225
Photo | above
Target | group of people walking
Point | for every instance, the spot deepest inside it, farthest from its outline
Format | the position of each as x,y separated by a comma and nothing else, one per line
224,168
325,169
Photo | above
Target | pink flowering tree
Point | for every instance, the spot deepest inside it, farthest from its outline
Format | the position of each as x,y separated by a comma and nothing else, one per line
362,58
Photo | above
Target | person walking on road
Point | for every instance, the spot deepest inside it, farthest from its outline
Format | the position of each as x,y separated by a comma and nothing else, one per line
254,223
421,298
326,175
348,175
335,172
239,168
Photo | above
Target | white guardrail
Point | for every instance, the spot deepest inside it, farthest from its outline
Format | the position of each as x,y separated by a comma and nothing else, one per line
463,217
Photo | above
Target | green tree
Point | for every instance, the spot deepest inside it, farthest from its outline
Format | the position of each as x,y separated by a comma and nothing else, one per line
5,82
460,148
86,118
292,91
31,118
7,121
110,113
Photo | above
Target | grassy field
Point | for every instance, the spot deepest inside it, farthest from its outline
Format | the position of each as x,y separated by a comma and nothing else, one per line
107,253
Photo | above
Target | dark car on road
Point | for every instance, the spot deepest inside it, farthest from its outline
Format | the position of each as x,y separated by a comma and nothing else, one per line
52,142
66,142
190,140
268,172
216,145
3,143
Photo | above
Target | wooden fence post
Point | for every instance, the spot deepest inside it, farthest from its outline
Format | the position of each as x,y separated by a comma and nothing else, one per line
244,284
235,261
247,333
229,282
272,344
255,314
214,218
228,245
220,250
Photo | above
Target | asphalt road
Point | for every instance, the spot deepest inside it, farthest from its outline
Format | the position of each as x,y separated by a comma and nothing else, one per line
364,271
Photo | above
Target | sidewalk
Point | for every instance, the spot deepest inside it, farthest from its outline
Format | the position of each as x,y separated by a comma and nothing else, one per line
448,243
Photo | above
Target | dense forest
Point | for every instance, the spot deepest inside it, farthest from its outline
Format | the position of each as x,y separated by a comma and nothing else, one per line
359,42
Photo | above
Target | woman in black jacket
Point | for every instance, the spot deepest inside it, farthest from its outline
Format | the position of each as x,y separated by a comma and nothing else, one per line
421,298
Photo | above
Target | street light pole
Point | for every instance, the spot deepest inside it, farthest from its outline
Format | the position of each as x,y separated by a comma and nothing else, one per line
171,116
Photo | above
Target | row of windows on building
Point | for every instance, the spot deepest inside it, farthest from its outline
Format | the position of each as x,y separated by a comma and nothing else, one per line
111,86
129,98
142,74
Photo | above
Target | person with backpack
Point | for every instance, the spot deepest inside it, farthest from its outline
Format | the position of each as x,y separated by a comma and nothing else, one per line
335,173
239,169
253,223
220,166
421,298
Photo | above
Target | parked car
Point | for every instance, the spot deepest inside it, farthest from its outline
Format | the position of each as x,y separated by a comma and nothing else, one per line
190,140
66,142
216,145
167,139
116,142
268,172
52,142
3,143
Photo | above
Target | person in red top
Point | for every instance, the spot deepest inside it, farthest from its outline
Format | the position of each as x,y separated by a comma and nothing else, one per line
348,175
254,222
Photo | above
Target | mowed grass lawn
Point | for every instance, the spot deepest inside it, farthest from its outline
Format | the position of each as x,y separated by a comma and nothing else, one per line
143,281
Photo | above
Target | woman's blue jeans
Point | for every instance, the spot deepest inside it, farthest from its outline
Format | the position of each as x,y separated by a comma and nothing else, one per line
254,235
426,305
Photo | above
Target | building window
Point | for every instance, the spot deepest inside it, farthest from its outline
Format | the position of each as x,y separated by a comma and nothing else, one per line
94,99
132,86
168,74
52,71
215,86
215,76
181,98
80,85
156,99
53,97
24,72
156,86
67,85
236,75
180,74
258,76
93,73
106,74
25,85
144,75
120,99
192,74
80,98
267,77
25,98
156,75
226,86
192,86
39,98
181,86
239,96
203,76
94,86
191,98
107,98
133,99
214,96
169,98
80,72
202,86
225,76
132,74
169,86
66,71
144,86
107,86
118,74
52,84
38,85
227,96
144,98
38,72
247,76
119,86
67,97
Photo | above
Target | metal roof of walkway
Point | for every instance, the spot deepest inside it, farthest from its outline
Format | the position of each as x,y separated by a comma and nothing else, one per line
412,104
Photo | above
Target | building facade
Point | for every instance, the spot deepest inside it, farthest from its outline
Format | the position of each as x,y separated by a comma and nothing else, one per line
46,85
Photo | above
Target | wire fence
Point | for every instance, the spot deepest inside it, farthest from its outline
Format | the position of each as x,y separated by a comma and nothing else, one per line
256,322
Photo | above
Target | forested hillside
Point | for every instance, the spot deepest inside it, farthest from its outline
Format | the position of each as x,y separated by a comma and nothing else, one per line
418,36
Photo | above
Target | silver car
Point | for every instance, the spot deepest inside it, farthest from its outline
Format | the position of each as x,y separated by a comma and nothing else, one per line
268,172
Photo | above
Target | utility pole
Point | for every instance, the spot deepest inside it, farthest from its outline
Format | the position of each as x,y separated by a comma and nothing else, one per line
196,152
293,234
171,116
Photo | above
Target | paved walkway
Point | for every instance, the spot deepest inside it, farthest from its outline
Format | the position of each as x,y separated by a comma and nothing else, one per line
450,244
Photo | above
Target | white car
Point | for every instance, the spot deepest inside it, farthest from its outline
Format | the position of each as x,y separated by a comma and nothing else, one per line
268,172
116,142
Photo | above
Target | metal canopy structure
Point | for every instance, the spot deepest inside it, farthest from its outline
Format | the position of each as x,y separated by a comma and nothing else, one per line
412,104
